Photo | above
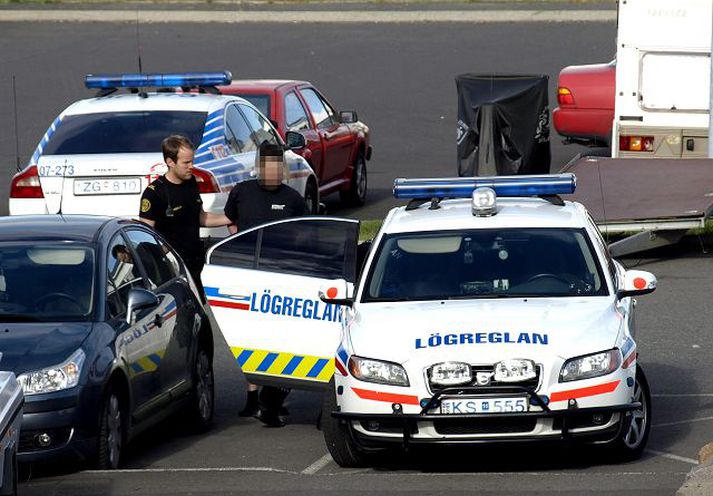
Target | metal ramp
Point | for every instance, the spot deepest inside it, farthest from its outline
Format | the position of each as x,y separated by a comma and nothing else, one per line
655,200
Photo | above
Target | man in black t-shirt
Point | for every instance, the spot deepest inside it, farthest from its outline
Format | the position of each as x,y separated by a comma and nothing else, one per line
172,205
250,204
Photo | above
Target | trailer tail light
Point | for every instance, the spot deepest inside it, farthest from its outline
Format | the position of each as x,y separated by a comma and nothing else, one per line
564,96
26,184
636,143
206,181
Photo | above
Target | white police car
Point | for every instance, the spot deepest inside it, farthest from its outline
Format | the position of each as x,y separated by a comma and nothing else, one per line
495,315
99,154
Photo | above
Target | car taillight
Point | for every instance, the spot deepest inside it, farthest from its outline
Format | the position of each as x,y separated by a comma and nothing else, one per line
26,184
564,96
636,143
206,181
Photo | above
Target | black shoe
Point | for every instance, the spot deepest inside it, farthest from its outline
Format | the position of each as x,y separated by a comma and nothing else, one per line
251,405
269,418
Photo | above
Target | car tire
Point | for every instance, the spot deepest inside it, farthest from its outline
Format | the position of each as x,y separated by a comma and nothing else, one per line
336,433
632,440
202,402
311,198
356,194
111,431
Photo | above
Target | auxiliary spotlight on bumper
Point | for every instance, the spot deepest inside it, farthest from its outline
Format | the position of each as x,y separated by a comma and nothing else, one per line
463,187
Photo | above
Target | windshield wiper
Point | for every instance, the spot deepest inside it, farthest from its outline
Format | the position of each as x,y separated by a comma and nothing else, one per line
490,295
17,317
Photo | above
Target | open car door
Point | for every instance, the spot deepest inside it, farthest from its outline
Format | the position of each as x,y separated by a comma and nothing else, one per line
263,287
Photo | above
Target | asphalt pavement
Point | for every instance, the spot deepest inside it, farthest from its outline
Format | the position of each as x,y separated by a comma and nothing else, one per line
400,78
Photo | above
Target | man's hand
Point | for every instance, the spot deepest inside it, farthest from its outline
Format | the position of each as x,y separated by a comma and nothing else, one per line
209,219
232,228
148,222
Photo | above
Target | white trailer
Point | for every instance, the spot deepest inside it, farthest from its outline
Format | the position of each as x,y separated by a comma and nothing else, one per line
662,79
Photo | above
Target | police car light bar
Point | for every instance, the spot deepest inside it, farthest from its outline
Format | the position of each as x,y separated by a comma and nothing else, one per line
463,187
136,80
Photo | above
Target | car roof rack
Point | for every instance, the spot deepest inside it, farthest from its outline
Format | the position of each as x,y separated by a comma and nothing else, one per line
136,83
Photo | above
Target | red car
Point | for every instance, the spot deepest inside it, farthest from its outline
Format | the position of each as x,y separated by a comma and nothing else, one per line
585,94
337,143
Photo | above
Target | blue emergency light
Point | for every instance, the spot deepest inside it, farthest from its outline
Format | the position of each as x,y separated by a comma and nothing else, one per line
138,80
463,187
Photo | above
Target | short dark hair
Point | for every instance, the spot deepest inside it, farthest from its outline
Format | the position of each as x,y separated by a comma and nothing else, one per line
172,144
268,149
116,249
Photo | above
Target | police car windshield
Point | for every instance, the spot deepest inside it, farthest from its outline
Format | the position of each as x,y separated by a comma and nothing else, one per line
123,132
261,102
46,283
485,263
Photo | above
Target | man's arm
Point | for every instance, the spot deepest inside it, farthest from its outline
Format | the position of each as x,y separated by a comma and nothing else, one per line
209,219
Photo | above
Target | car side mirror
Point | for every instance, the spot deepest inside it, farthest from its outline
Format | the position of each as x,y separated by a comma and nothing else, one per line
637,282
295,141
348,116
337,292
139,299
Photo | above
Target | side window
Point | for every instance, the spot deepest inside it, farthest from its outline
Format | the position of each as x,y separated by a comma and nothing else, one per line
322,249
322,114
158,263
237,131
295,115
262,130
238,252
122,275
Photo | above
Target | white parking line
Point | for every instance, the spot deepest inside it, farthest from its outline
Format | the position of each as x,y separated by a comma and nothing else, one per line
672,456
683,395
681,422
169,470
318,465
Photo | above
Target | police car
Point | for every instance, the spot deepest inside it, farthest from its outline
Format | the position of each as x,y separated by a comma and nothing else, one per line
99,154
487,310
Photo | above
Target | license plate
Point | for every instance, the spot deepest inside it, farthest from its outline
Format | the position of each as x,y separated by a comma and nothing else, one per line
453,406
108,186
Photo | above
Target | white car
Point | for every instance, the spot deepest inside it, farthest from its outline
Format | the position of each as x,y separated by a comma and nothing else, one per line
99,154
495,315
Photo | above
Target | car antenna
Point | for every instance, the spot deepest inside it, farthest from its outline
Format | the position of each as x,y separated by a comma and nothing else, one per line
17,134
142,94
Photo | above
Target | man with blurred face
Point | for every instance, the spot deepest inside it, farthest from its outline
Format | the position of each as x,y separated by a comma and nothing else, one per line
172,205
250,204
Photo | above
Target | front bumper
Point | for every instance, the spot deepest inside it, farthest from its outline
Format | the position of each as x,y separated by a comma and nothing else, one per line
593,424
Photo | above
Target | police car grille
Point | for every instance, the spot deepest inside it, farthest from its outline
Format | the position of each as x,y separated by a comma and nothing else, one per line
484,425
530,383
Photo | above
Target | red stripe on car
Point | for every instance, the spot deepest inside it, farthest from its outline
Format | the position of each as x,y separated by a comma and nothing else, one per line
338,365
367,394
229,304
584,392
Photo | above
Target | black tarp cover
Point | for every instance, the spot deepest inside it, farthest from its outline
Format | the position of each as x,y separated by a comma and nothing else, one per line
503,125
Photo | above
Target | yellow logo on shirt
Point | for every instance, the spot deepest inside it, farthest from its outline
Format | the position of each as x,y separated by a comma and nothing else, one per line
145,205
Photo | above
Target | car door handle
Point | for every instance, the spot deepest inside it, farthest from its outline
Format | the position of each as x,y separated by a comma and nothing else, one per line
158,320
326,136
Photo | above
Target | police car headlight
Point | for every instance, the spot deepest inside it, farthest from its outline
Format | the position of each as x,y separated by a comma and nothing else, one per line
56,378
377,371
588,366
450,374
515,370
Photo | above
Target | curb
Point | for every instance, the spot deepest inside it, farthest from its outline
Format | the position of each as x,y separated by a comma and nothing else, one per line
699,481
295,16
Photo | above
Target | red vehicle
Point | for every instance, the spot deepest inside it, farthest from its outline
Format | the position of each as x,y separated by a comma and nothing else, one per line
585,94
337,143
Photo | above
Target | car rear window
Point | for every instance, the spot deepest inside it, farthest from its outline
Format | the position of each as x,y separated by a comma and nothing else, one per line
123,132
261,102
